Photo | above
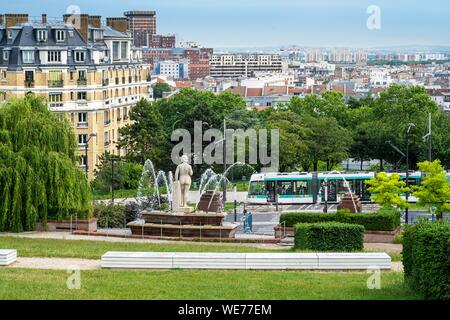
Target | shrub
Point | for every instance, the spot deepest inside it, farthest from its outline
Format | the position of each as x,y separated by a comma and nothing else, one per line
111,216
329,236
385,219
426,259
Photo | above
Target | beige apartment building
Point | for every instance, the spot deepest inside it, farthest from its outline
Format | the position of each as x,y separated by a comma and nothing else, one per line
87,71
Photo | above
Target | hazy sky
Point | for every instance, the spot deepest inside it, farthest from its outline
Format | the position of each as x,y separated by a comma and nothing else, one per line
246,23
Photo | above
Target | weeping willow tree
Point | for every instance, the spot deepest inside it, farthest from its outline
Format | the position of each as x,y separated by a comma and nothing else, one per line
39,177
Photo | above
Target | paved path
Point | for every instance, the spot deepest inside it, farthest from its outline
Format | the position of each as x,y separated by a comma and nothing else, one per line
56,263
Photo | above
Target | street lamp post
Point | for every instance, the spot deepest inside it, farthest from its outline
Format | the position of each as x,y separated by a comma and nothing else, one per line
408,130
224,159
86,151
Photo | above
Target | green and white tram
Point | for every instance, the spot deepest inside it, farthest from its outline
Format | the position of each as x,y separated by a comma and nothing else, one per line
309,188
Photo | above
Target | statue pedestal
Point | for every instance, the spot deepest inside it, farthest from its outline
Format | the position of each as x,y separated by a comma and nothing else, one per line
350,202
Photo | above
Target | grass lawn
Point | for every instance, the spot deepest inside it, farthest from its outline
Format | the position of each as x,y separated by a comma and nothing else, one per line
199,284
88,249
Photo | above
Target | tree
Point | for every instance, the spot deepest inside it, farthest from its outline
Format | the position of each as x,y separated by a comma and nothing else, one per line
434,189
145,137
387,190
392,112
126,174
293,148
39,175
159,89
326,141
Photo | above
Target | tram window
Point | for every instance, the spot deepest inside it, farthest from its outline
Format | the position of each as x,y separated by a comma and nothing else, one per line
257,188
301,188
287,187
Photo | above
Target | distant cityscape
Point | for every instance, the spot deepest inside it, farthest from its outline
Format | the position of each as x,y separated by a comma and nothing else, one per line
95,69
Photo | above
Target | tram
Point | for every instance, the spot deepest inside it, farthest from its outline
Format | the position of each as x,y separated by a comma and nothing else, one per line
309,188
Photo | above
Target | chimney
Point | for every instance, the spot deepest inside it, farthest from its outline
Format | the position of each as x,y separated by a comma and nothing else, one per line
119,24
79,22
95,21
12,19
44,18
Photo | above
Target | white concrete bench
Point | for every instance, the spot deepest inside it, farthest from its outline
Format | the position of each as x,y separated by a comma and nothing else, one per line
245,261
7,257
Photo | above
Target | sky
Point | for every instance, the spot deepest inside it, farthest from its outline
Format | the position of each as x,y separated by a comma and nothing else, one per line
266,23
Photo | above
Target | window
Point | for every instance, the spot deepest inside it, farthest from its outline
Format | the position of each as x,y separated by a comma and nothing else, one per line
55,78
5,55
82,117
81,95
83,161
82,139
124,48
28,56
3,74
257,188
55,99
10,34
60,35
116,50
42,35
82,75
80,56
54,56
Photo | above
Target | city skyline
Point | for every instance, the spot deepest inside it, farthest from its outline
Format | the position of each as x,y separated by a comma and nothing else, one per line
264,23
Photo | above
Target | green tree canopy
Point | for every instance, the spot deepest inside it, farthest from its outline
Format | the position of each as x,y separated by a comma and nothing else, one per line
387,190
159,89
39,177
434,190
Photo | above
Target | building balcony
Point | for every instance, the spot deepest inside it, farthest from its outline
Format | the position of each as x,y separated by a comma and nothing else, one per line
107,143
107,122
29,83
55,83
82,82
125,118
82,125
105,82
119,119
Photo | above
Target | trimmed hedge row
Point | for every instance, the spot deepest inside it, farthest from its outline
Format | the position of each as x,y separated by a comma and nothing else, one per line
329,236
426,259
385,219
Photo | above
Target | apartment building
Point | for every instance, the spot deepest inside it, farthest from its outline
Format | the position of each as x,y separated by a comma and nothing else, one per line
142,24
243,65
91,73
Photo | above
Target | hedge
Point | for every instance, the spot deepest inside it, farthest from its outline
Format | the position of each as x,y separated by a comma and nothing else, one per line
111,216
426,259
385,219
329,236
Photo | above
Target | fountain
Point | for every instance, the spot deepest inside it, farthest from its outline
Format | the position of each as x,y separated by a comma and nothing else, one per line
180,220
349,197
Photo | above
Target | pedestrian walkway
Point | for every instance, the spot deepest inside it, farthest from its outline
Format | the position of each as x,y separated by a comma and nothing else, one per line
56,263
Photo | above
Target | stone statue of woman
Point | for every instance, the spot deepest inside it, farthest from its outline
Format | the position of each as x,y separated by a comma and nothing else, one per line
183,181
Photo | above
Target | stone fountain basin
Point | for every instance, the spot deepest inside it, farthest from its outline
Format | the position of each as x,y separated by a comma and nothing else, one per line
183,218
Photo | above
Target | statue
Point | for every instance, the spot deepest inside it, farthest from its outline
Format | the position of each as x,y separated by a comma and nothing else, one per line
182,185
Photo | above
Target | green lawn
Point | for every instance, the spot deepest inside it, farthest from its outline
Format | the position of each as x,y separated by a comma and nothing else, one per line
87,249
199,284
